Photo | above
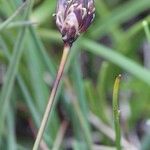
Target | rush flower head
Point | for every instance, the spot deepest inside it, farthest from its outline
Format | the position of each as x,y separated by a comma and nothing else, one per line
74,17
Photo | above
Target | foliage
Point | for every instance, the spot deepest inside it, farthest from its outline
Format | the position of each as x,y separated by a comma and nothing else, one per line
30,52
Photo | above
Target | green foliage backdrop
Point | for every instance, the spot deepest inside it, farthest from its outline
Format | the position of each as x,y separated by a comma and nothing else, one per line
118,42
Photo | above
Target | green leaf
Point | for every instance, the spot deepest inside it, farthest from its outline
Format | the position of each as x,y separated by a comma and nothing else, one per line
122,61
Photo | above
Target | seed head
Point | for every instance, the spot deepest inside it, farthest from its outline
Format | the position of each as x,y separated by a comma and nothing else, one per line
74,17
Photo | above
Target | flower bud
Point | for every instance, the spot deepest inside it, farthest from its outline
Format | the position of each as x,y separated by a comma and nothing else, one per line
74,17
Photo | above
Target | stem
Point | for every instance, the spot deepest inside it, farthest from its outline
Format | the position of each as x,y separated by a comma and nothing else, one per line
147,31
9,20
52,96
60,135
116,112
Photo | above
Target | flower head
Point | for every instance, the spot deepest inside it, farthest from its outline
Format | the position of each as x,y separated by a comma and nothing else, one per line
74,17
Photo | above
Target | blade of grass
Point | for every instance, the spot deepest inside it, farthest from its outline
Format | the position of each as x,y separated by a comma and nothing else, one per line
10,76
40,89
78,145
101,90
118,59
78,83
60,135
11,72
50,35
136,28
79,90
6,7
36,71
43,12
103,147
29,101
46,58
115,31
119,15
9,20
12,3
108,131
147,30
20,24
26,94
78,116
92,97
12,145
116,113
20,147
23,87
83,123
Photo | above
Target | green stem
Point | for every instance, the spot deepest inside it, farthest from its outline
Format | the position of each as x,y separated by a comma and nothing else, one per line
147,31
11,72
60,136
9,20
116,112
52,96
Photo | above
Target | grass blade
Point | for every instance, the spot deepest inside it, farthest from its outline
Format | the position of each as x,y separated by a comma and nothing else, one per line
43,12
23,87
60,135
9,20
36,67
78,117
118,59
147,30
12,71
116,112
10,76
26,94
46,59
83,123
12,145
119,15
79,87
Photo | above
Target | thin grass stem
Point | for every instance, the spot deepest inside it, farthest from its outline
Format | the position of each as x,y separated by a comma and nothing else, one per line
17,24
11,72
9,20
147,30
116,113
52,96
60,135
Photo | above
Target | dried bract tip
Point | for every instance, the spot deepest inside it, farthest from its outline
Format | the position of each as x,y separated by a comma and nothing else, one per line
74,17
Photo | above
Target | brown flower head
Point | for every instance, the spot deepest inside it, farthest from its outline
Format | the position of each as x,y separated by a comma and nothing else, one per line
74,17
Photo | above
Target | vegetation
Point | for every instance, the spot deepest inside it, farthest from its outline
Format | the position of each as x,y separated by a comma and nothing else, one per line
85,111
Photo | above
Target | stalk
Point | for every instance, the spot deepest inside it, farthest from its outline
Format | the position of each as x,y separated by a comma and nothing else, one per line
146,29
116,113
52,96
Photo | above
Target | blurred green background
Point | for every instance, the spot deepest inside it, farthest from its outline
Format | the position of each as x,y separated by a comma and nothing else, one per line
118,42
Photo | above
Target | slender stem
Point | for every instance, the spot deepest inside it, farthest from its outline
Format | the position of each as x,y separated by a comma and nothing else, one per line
60,135
5,23
116,112
147,30
52,96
